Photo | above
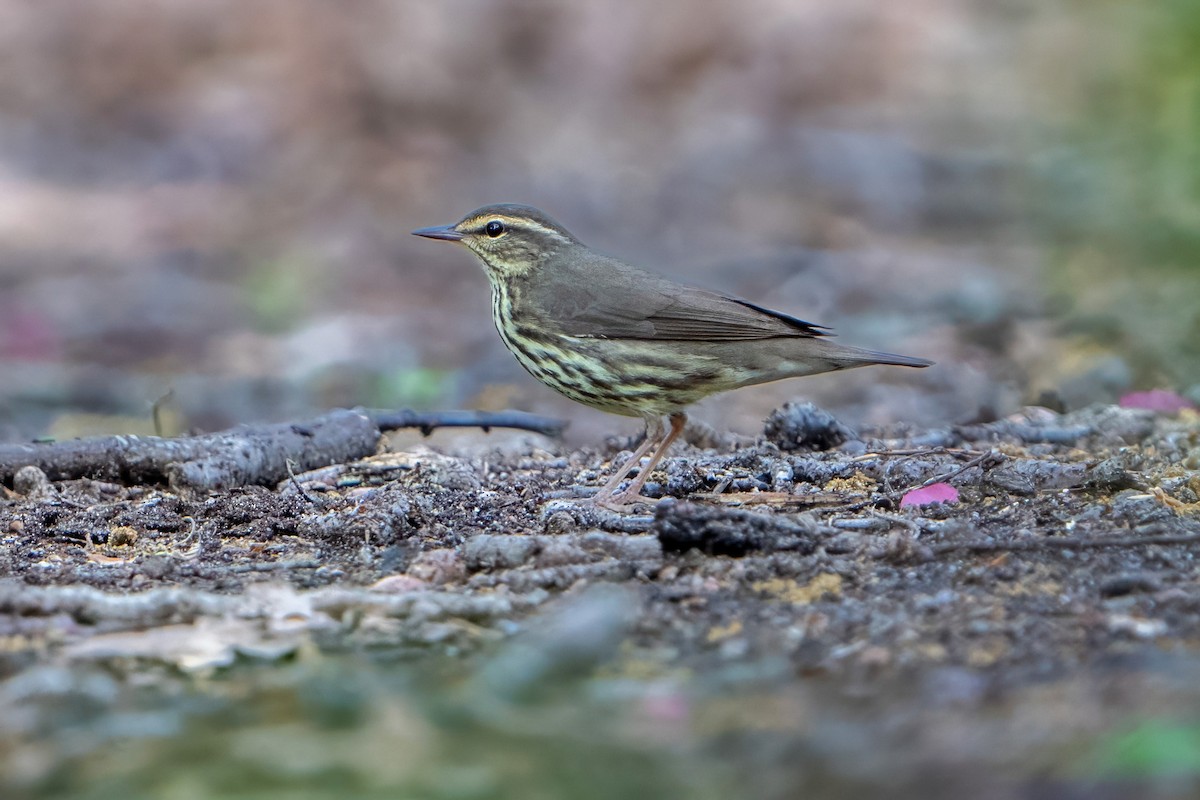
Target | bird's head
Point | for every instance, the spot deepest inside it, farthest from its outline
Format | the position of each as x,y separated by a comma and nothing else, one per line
511,240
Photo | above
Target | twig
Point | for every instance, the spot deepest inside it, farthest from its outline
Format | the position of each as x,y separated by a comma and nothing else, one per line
274,566
1025,432
428,421
253,454
984,461
249,455
912,526
291,469
1063,543
157,411
193,541
957,452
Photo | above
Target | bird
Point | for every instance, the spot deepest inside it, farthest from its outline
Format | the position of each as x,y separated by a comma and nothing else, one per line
626,341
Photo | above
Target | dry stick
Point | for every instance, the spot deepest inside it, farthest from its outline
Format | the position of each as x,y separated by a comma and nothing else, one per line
427,421
1025,432
291,470
254,454
1066,543
957,452
912,526
981,461
274,566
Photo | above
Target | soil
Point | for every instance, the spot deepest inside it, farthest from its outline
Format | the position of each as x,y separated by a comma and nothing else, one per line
1070,552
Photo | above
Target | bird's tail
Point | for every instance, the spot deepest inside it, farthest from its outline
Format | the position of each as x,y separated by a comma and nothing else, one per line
847,357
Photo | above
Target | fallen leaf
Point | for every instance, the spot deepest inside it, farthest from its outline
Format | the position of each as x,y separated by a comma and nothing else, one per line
928,495
1164,401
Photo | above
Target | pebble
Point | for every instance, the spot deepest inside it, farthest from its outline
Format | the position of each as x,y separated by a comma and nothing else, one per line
804,426
487,551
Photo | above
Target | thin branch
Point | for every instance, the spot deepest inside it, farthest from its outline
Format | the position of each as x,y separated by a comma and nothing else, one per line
248,455
1063,543
428,421
984,461
252,454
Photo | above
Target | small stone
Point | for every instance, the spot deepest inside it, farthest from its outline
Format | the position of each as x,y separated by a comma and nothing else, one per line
1139,508
1129,583
1135,626
560,522
804,426
683,478
1115,424
853,448
32,482
437,567
561,552
628,547
122,536
158,567
398,584
1112,476
488,551
843,543
452,474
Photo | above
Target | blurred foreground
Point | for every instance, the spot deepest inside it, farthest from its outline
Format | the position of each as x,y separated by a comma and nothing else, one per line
357,726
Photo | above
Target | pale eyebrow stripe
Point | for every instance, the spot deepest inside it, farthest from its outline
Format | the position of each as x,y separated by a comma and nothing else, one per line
522,222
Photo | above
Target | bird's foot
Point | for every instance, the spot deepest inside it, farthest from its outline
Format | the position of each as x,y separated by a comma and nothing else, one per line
625,501
590,496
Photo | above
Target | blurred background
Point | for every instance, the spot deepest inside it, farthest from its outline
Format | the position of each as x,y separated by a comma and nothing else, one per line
211,202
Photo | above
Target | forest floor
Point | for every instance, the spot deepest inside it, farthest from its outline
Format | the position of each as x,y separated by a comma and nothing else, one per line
1037,631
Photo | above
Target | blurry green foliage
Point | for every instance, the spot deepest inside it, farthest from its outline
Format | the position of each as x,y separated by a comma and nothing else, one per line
419,387
1118,189
348,384
1132,176
279,292
1156,748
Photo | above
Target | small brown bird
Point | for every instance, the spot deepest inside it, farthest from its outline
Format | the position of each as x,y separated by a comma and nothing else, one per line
622,340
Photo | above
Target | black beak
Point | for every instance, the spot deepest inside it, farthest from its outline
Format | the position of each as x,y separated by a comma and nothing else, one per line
446,232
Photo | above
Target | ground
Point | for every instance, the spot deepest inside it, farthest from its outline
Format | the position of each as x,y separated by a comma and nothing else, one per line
778,591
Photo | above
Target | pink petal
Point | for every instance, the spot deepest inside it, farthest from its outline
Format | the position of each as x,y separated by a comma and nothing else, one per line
27,335
928,495
1163,401
670,707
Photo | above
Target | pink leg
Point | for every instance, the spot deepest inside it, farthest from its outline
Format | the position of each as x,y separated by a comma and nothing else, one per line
633,493
654,432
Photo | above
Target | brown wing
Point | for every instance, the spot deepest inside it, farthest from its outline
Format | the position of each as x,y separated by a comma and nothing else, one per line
604,298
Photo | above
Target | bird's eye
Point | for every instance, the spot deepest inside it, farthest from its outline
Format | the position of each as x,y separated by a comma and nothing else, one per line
494,228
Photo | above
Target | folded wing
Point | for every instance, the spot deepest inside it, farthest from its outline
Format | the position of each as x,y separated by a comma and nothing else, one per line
605,298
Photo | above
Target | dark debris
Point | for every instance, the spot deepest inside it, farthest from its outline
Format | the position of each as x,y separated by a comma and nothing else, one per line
754,553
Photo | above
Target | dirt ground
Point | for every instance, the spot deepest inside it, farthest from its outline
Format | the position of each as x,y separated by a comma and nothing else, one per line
1070,553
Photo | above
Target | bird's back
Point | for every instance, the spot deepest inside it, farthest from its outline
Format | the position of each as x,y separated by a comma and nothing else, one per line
593,295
